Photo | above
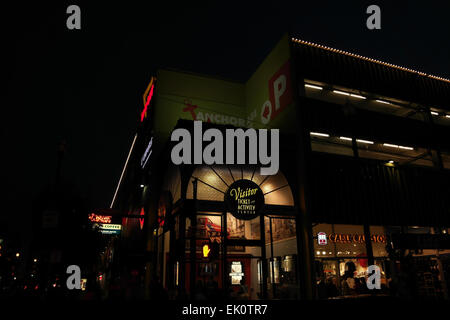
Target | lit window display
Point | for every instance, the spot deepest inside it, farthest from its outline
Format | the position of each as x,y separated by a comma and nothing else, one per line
341,260
400,253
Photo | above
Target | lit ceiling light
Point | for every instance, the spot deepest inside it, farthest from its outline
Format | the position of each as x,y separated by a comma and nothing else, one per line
313,87
319,134
406,148
17,254
341,92
365,141
390,145
357,96
318,253
447,116
345,138
381,101
323,252
391,161
142,185
434,113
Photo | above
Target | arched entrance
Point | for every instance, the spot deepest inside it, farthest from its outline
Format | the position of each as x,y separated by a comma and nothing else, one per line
214,251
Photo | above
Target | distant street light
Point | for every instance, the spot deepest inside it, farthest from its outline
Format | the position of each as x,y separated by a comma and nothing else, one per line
17,254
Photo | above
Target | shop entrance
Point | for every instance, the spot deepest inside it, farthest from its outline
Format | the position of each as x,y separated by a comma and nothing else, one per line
230,255
227,264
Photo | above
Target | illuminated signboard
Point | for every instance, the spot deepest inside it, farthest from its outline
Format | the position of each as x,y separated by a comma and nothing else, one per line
99,218
244,199
355,238
147,97
236,273
322,238
107,228
147,153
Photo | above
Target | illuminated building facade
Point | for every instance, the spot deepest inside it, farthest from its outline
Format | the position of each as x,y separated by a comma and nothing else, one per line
364,180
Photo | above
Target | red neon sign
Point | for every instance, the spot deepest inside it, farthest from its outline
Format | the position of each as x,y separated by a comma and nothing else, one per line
141,220
98,218
147,100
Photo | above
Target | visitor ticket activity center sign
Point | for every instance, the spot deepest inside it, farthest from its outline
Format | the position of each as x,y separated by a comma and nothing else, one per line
244,199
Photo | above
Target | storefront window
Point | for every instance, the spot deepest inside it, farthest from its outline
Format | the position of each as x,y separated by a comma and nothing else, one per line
281,251
282,228
341,258
243,229
209,228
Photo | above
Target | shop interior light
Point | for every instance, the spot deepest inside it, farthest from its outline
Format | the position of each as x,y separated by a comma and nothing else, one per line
447,115
391,161
345,138
406,148
390,145
382,101
365,141
318,253
313,86
341,92
357,96
319,134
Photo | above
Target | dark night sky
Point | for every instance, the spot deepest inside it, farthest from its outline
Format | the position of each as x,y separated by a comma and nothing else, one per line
86,86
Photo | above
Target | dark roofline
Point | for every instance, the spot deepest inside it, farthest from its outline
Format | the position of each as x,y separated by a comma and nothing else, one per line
354,55
202,75
333,66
